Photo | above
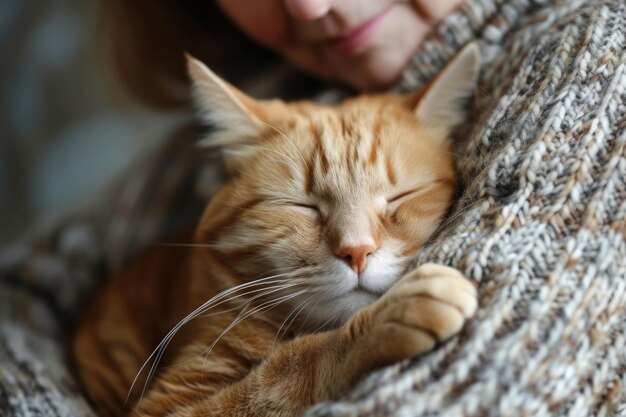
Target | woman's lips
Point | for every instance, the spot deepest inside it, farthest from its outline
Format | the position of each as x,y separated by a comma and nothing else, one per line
358,38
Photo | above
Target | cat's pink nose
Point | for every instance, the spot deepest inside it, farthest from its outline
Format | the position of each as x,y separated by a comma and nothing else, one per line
356,256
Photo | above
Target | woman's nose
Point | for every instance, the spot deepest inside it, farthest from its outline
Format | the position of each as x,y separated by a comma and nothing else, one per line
308,9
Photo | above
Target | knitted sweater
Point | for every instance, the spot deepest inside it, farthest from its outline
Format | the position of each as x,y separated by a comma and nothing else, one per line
540,225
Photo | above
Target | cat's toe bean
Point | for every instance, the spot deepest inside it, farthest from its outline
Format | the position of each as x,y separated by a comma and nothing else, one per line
442,283
440,320
453,290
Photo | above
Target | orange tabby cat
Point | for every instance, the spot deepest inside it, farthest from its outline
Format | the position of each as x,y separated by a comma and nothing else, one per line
304,250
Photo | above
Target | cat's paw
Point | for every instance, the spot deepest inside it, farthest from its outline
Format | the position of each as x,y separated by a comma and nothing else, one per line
427,306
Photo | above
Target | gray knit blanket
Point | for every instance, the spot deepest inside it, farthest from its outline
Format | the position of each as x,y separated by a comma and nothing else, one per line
540,225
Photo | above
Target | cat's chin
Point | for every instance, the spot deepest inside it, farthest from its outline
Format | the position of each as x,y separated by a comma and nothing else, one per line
333,312
361,298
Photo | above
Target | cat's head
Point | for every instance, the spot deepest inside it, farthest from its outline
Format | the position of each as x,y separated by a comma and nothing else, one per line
333,201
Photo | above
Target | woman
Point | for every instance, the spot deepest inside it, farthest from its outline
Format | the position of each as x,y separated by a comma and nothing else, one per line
330,39
540,224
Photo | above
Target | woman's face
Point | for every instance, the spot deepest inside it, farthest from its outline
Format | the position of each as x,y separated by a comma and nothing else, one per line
366,44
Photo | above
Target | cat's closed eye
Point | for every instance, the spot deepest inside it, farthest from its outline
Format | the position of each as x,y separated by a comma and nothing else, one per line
307,208
395,198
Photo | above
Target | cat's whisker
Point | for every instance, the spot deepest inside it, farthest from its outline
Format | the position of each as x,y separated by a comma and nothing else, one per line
298,313
299,306
304,322
334,322
261,308
217,300
264,292
261,281
268,305
165,341
323,326
168,338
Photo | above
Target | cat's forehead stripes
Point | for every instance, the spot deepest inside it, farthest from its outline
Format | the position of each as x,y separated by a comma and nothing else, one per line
347,148
376,140
319,159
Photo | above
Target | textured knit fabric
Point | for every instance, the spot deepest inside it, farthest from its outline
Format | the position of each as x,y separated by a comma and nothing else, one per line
540,225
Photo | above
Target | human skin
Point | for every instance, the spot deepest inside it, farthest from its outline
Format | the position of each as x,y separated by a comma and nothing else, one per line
366,44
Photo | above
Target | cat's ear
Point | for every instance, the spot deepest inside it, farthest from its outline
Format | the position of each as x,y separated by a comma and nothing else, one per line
442,105
236,117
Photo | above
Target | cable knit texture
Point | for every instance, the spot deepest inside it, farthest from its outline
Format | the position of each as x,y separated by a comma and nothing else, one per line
540,225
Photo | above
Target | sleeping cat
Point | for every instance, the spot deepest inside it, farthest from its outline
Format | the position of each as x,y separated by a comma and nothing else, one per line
301,256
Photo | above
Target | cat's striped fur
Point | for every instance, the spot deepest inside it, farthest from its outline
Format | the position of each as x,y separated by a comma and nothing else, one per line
324,209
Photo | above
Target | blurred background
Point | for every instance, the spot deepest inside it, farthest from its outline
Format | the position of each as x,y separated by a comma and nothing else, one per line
64,128
68,126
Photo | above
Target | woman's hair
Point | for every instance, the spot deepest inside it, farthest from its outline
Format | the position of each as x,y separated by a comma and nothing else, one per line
145,41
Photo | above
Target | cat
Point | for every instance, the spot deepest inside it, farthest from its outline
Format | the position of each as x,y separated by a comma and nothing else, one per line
302,256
